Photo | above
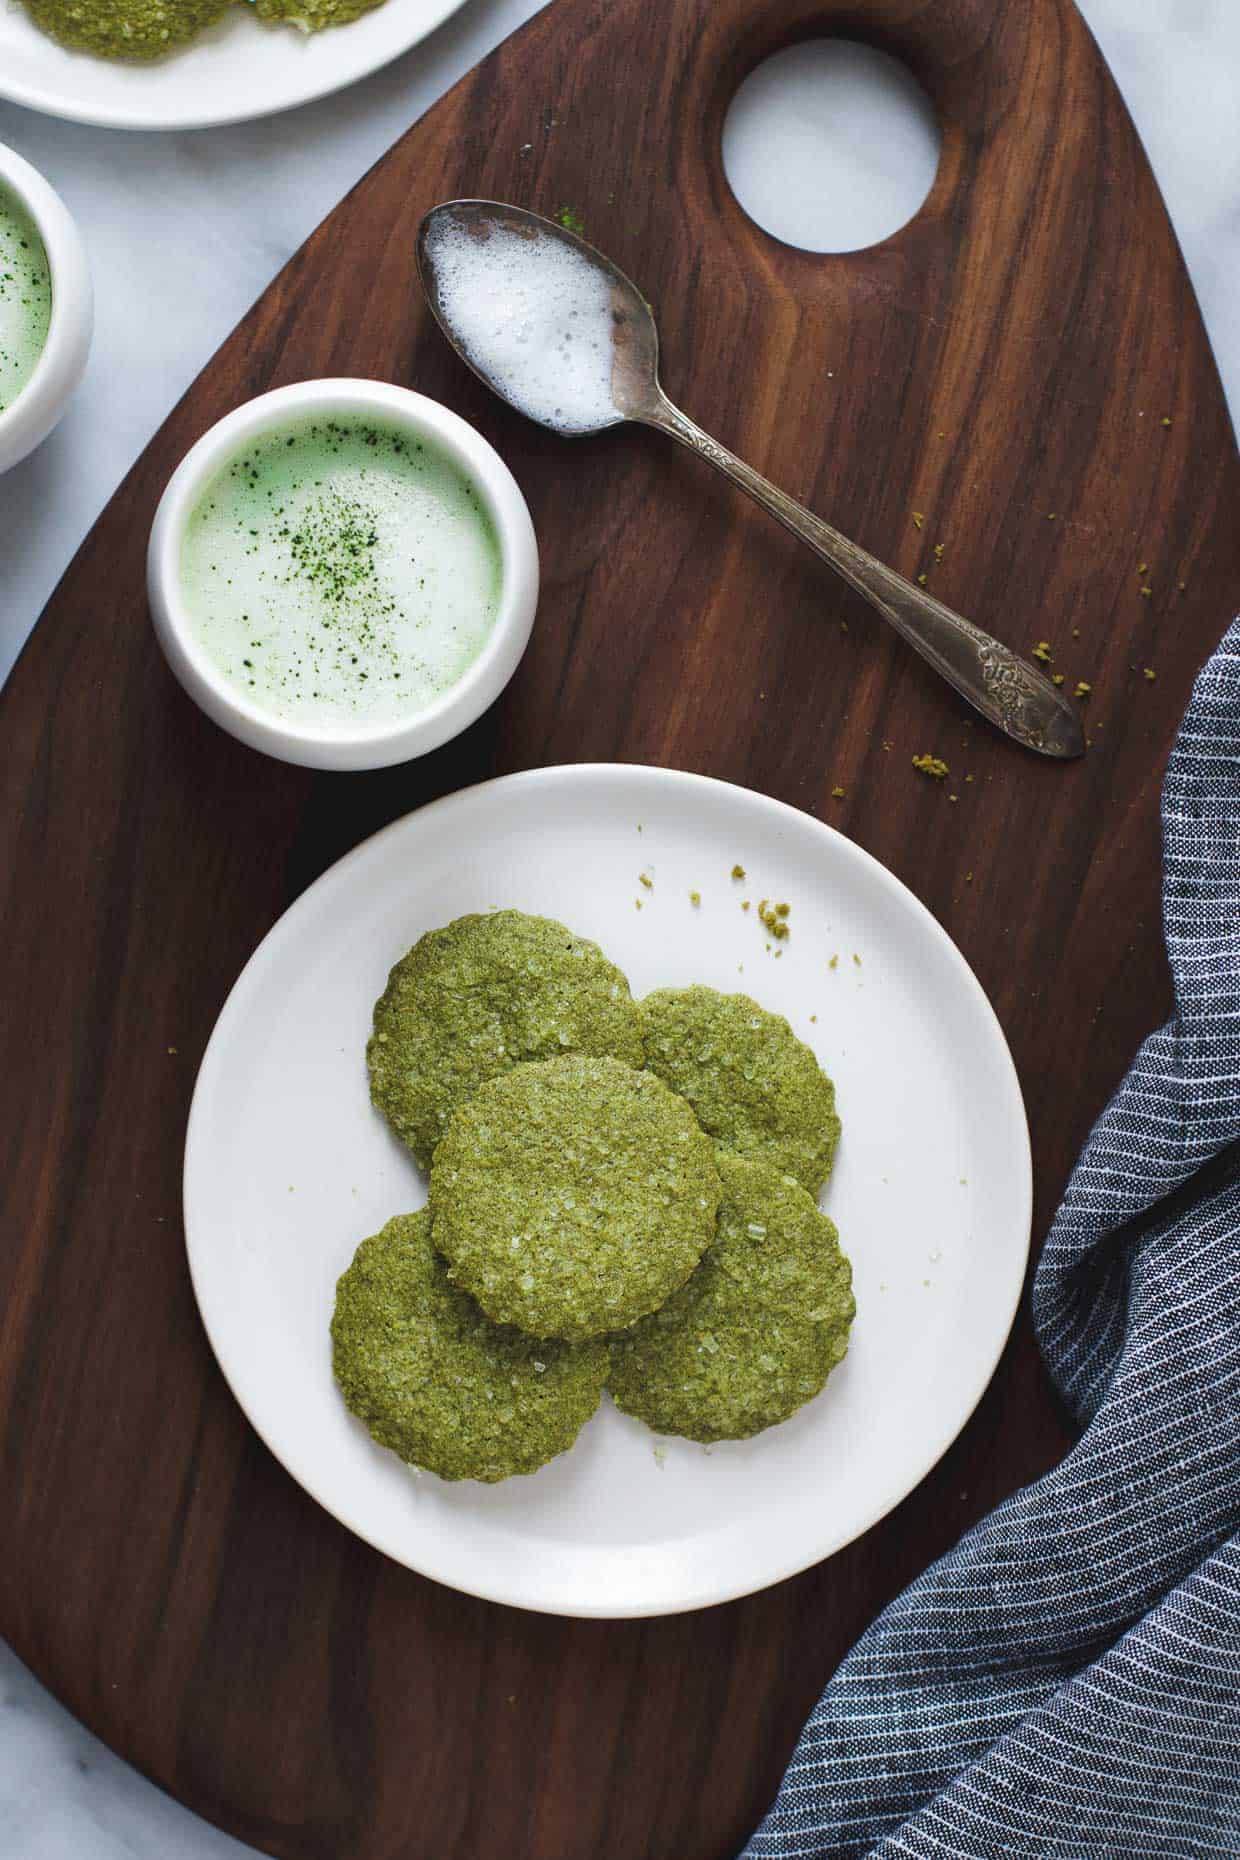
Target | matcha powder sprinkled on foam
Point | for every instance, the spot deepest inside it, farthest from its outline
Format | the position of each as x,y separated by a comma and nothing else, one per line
334,547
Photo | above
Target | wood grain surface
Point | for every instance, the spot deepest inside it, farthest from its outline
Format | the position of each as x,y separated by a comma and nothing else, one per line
1014,352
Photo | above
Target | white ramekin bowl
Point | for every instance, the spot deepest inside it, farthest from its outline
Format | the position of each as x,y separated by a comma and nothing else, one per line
38,407
334,745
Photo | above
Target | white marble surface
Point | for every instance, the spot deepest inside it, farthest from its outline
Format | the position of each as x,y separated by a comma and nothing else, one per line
184,231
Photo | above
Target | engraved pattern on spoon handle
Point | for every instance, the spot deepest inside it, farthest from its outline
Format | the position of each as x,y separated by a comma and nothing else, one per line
1008,690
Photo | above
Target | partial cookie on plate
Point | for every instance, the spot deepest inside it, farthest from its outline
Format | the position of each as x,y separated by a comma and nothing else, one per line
484,994
755,1332
434,1380
756,1088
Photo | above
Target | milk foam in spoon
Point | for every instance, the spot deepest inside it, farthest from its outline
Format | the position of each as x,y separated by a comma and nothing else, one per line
534,317
561,334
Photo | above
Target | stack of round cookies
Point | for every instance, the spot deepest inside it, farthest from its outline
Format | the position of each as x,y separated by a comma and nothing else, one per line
622,1195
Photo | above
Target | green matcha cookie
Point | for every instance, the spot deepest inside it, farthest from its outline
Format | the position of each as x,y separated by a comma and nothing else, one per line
313,15
756,1088
571,1197
439,1384
485,994
137,30
758,1328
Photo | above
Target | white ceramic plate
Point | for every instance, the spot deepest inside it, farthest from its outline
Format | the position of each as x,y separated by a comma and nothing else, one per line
238,69
287,1167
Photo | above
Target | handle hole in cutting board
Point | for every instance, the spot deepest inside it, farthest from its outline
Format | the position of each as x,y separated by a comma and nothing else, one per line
831,145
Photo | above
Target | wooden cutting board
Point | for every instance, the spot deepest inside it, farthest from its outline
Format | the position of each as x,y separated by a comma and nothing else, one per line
1007,366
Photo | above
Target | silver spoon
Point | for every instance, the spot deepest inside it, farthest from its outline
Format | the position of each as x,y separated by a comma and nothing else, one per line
1010,692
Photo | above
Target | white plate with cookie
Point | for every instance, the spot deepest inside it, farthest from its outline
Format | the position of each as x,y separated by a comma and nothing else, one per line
239,68
288,1166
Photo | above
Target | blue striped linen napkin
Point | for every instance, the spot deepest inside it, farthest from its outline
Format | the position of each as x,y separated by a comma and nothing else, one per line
1066,1682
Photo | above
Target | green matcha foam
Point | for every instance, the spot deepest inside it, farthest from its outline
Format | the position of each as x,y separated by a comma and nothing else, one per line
25,297
341,571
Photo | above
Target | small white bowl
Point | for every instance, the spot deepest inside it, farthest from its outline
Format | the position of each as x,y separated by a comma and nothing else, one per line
335,745
31,417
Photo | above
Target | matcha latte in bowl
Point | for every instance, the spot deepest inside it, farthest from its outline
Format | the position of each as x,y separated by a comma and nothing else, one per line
46,314
343,574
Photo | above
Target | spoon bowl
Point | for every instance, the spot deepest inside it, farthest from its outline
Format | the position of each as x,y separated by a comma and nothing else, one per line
635,389
562,335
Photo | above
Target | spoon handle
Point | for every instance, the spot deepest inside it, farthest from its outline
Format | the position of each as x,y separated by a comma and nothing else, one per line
1005,688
